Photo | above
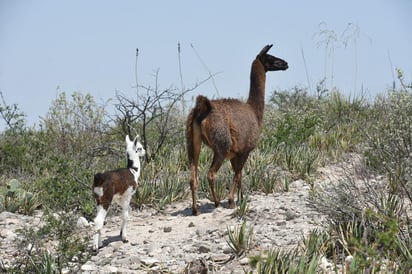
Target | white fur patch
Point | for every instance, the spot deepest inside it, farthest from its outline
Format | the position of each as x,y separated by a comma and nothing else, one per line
98,191
136,174
124,199
101,215
98,221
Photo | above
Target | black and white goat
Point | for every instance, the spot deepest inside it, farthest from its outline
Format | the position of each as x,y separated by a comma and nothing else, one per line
117,186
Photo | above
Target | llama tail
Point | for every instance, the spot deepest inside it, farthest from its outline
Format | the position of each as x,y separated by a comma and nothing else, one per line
193,132
98,180
202,108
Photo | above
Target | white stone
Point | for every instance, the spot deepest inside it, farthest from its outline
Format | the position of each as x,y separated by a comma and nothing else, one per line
244,261
88,267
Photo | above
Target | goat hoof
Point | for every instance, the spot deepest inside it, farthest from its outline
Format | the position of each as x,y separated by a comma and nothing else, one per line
195,212
125,241
231,204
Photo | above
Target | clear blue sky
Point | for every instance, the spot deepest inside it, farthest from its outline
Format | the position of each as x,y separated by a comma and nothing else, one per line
89,46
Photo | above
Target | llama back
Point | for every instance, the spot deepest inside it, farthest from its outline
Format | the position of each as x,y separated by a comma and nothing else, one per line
231,108
118,177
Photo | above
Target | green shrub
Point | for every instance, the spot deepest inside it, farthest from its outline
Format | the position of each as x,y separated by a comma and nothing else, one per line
53,245
389,140
67,188
369,227
302,131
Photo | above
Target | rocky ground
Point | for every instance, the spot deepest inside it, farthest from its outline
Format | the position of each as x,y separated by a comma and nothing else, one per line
174,241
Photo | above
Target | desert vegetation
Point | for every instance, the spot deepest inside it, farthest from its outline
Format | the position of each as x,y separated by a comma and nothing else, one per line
50,168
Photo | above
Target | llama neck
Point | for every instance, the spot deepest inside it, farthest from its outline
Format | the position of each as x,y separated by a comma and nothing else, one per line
134,167
131,164
257,89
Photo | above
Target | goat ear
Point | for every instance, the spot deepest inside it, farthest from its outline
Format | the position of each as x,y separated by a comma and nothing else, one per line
265,49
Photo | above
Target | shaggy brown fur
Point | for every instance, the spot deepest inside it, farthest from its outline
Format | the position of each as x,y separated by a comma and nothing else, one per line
229,127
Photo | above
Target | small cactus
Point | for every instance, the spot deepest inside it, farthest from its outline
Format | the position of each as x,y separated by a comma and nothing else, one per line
14,198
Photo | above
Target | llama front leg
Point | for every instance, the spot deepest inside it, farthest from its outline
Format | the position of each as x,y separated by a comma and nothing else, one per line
98,222
211,176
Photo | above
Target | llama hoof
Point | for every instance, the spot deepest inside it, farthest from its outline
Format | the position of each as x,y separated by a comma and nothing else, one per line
124,240
195,212
217,204
95,250
231,204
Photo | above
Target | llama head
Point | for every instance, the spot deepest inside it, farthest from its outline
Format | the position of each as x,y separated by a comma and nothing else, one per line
270,62
134,150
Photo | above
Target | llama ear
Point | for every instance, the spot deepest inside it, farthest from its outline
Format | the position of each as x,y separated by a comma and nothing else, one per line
128,139
265,49
136,139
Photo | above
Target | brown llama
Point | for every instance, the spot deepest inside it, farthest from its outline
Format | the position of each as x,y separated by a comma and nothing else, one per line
230,128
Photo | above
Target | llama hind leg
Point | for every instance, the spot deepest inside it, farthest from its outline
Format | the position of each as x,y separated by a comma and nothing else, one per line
237,165
194,142
125,216
211,176
193,188
125,213
98,222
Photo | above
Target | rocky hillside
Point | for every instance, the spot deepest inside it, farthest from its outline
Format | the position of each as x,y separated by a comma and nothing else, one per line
173,240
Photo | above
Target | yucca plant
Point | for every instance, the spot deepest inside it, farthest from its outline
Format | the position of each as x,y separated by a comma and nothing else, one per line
298,260
285,184
273,261
404,245
169,190
48,265
144,195
281,262
242,209
240,239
